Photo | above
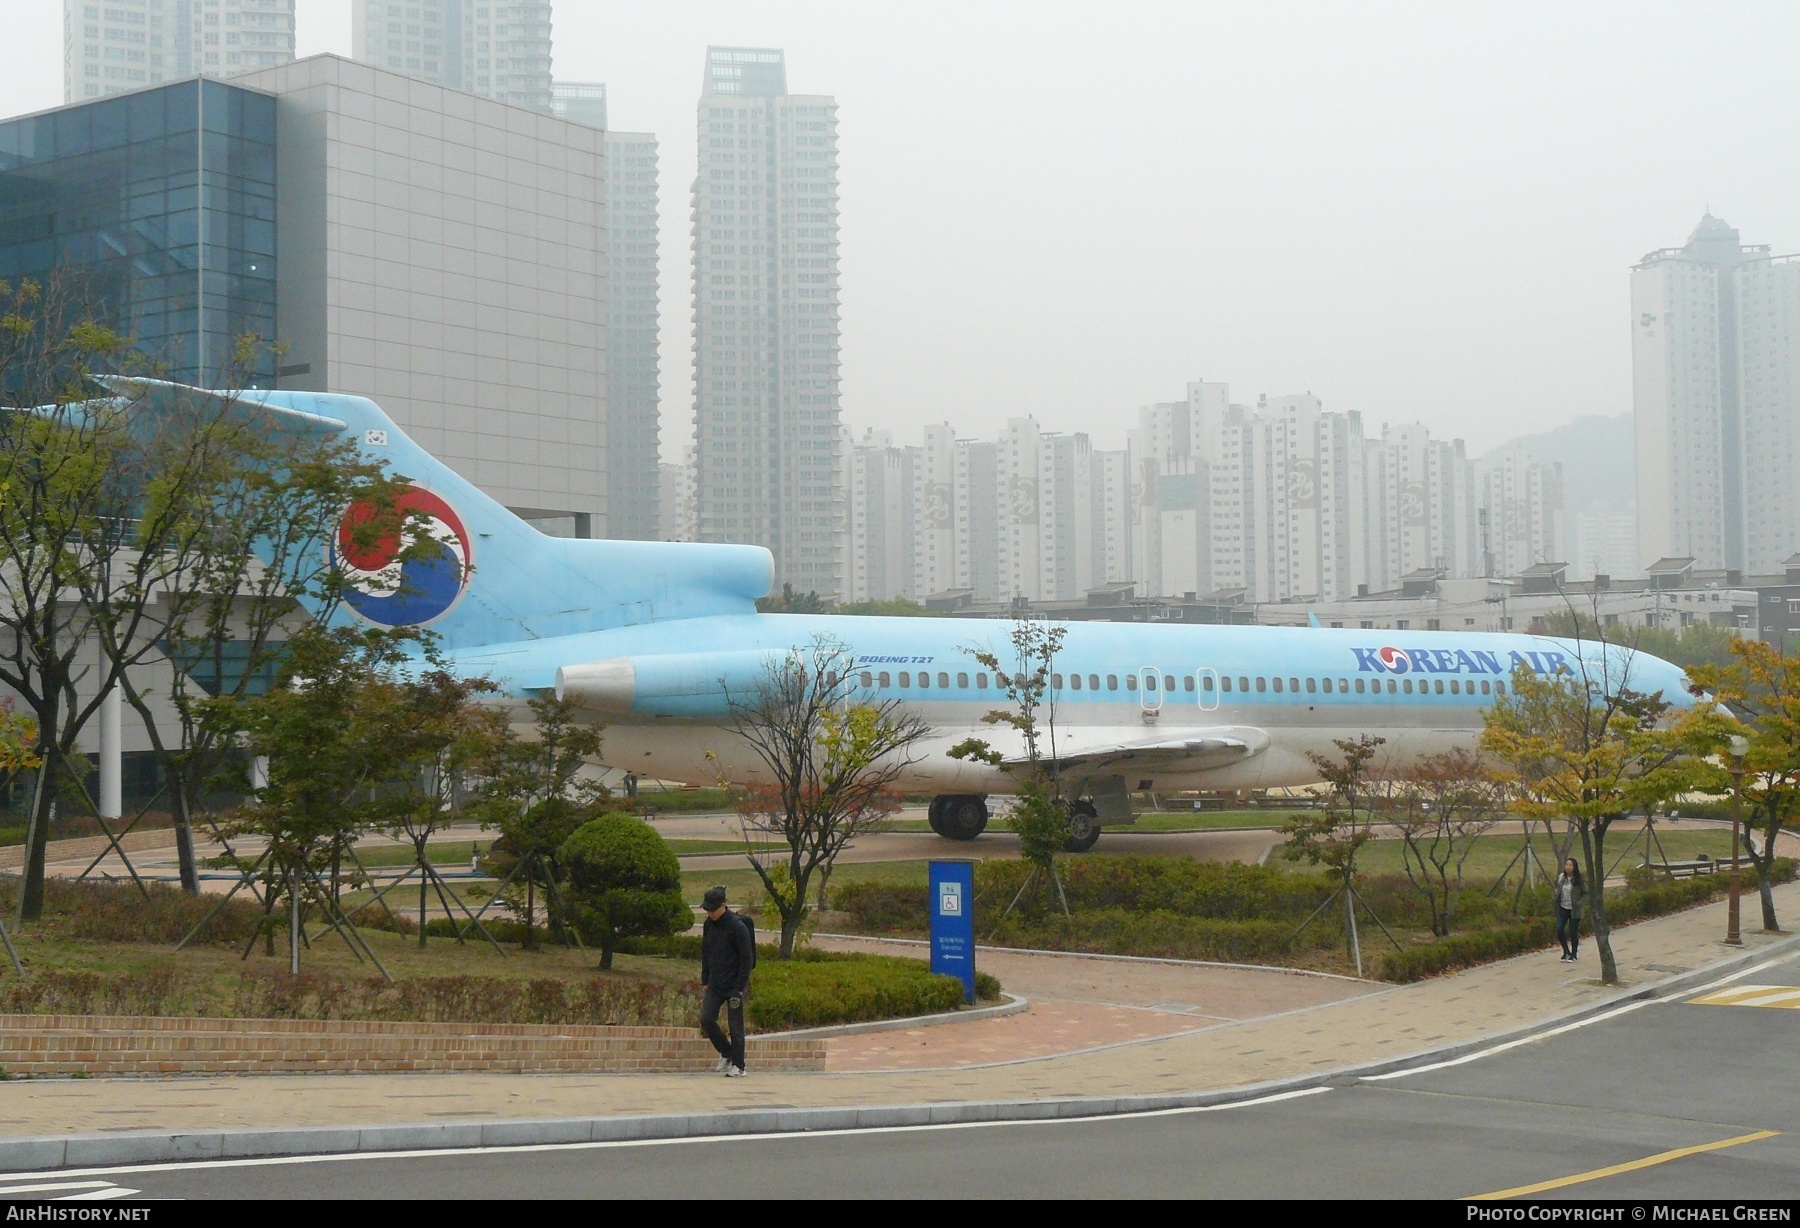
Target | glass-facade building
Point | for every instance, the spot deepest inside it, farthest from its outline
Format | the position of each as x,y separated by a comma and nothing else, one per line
161,203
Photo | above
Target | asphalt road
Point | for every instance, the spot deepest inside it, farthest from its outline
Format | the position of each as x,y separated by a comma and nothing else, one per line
1655,1088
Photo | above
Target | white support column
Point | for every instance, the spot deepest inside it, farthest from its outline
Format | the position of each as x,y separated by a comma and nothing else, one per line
259,772
112,754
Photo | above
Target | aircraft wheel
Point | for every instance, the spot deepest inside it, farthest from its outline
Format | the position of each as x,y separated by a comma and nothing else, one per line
965,817
934,813
1084,828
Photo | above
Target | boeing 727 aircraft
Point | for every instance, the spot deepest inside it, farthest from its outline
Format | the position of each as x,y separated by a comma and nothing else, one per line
649,635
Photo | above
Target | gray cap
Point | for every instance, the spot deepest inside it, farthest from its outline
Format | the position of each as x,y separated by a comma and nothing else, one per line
714,898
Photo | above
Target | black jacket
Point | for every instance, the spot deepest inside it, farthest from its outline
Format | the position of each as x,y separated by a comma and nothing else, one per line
726,954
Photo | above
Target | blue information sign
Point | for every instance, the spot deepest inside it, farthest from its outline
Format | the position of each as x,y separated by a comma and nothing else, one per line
953,922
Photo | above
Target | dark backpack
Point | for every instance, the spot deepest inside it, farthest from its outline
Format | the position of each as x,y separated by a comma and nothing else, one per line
749,924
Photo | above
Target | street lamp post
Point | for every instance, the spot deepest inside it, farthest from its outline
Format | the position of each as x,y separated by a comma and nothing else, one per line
1740,746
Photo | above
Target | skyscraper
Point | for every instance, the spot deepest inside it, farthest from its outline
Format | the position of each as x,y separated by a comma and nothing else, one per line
765,230
128,44
1716,387
633,307
499,51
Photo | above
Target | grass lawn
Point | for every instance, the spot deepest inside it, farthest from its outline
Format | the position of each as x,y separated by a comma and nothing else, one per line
1493,852
745,890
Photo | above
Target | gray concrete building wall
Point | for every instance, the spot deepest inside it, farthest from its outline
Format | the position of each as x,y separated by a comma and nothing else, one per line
444,255
633,330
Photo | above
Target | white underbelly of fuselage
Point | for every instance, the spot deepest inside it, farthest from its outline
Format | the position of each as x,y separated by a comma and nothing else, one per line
708,754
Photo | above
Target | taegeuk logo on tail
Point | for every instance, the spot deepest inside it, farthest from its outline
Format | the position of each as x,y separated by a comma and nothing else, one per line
393,592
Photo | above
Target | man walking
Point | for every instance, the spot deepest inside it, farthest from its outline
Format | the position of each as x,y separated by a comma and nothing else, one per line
727,953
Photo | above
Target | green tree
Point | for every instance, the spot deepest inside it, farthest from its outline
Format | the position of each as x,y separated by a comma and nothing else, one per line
1041,813
443,734
105,502
827,759
1335,836
791,602
1587,746
1757,697
1698,643
623,881
271,512
535,791
333,733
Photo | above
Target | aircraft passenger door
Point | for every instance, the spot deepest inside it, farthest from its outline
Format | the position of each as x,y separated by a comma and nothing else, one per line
1208,682
1150,691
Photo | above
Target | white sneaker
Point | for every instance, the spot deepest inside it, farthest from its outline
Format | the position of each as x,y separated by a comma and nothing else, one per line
734,1072
722,1065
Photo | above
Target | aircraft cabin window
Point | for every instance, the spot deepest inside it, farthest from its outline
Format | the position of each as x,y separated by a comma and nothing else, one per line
1406,685
1056,681
1312,684
1244,683
981,682
885,680
962,680
924,680
1392,686
1019,681
1455,687
867,680
944,680
1343,686
1440,686
1112,682
905,678
1093,682
1149,682
1484,686
1359,686
1225,682
1187,682
1499,688
1131,682
1206,682
1262,684
1277,685
1169,682
1294,685
1075,682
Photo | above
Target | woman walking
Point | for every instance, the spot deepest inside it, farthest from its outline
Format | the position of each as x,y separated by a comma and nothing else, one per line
1568,896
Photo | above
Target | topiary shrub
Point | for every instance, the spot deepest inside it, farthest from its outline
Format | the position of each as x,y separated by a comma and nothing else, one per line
623,880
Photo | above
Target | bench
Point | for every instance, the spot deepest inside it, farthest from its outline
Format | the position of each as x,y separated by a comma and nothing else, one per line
1689,869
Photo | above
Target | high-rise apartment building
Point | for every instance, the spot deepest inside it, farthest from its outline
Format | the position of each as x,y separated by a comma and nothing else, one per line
633,317
497,50
1421,506
1519,514
768,452
123,45
1716,388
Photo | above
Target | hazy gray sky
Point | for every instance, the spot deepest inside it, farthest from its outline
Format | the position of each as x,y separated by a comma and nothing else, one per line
1071,209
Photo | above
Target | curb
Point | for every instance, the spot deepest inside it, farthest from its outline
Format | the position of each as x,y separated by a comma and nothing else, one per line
1013,1005
20,1155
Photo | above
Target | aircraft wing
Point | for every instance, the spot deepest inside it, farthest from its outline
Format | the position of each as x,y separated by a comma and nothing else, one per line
1195,749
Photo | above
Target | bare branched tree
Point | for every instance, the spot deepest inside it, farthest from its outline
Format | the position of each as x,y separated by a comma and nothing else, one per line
829,758
1442,806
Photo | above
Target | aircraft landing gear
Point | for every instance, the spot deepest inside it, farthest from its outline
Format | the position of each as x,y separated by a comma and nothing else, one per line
1084,827
958,816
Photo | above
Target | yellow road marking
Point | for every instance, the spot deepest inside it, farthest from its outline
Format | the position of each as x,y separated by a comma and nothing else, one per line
1752,995
1661,1157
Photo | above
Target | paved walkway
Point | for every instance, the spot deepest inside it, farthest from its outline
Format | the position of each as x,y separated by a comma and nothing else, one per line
1386,1023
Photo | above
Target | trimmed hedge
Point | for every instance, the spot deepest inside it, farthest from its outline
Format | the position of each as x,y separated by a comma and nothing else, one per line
804,993
1221,891
1635,903
1161,934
